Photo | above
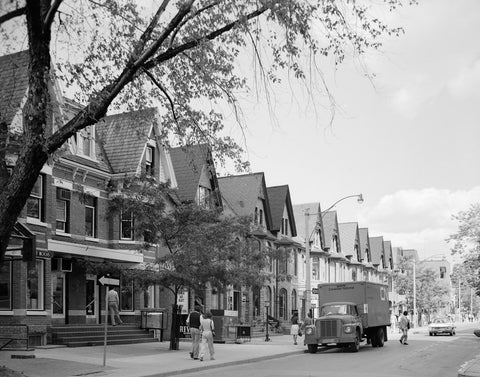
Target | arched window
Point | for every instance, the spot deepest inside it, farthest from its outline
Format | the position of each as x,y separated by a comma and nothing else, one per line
282,304
294,299
255,217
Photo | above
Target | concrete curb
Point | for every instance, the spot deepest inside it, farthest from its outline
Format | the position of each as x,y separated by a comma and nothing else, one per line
470,369
225,364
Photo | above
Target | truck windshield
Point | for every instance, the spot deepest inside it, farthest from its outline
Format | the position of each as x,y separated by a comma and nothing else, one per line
335,309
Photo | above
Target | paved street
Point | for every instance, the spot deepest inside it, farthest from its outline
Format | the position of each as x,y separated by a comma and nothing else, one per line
425,356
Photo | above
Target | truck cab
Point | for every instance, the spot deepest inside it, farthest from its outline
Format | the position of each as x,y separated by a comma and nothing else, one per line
339,325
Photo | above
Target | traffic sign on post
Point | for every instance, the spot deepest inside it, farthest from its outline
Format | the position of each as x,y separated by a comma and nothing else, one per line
109,281
315,291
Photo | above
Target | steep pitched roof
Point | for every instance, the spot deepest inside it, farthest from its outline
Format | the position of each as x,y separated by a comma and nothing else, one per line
241,192
314,219
376,245
189,163
14,84
387,247
330,226
348,238
279,197
124,137
364,244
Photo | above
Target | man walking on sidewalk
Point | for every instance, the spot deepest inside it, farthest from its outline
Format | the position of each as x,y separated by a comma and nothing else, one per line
404,325
113,302
193,321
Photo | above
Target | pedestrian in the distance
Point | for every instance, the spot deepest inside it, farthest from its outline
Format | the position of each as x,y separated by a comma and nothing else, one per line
404,326
295,328
193,321
113,301
208,331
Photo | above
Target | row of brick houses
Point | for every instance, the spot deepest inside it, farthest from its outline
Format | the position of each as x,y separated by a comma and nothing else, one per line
66,213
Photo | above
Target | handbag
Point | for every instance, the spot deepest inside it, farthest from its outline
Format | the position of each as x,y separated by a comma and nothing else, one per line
213,331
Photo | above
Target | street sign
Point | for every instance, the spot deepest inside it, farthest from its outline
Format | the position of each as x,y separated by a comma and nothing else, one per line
109,281
315,291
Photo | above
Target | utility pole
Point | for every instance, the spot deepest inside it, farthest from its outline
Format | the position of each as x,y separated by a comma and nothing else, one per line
415,321
308,275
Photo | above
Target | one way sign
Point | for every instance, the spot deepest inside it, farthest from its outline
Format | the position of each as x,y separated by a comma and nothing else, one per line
108,281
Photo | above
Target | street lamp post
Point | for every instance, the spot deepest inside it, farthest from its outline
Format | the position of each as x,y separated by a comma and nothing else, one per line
308,281
267,337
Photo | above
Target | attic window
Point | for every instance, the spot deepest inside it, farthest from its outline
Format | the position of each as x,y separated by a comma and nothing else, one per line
150,160
203,197
86,142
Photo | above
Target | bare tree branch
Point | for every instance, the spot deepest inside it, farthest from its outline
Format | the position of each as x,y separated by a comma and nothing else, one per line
98,104
47,23
171,52
12,14
164,91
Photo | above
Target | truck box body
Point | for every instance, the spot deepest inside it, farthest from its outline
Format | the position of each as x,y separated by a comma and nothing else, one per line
350,312
370,298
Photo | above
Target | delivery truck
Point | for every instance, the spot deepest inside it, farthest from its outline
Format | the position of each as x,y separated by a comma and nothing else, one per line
350,312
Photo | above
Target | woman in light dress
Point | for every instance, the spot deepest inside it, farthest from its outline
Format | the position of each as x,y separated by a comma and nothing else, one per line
207,328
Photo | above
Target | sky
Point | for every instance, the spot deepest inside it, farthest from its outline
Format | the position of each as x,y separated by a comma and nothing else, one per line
408,140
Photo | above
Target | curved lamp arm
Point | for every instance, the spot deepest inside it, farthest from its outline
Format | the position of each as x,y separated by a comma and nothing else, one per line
360,200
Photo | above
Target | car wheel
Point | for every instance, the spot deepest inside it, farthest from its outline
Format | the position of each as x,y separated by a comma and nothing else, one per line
431,333
312,348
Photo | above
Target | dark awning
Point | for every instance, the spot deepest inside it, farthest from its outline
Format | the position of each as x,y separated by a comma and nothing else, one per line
22,243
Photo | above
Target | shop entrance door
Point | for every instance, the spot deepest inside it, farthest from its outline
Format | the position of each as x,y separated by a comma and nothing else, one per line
58,295
91,302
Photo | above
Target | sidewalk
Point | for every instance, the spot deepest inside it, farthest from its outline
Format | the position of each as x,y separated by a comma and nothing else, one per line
146,359
154,359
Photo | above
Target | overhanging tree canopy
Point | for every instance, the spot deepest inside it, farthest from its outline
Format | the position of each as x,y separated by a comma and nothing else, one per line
183,55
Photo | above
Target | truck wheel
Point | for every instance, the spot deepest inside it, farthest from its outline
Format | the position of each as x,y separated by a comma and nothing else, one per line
380,337
312,348
373,339
355,346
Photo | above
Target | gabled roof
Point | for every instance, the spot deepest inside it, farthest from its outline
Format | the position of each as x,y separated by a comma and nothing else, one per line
376,245
14,84
279,198
330,226
348,238
314,220
364,243
241,192
124,137
188,163
387,247
70,109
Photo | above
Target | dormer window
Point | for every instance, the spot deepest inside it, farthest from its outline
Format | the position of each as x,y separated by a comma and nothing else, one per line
261,217
150,160
86,142
255,218
203,197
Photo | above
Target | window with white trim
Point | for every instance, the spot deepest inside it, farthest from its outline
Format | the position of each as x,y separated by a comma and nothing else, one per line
62,216
203,197
6,285
36,201
35,285
150,161
86,142
91,216
126,226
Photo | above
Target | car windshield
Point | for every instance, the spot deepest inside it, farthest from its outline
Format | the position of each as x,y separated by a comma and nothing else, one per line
441,320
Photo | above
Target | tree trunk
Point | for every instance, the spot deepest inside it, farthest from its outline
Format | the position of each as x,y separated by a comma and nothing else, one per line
175,327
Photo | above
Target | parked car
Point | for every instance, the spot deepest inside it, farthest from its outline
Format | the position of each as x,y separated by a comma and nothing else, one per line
441,326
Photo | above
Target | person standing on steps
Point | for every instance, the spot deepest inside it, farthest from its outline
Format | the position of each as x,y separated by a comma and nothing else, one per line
113,302
208,331
193,321
404,326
